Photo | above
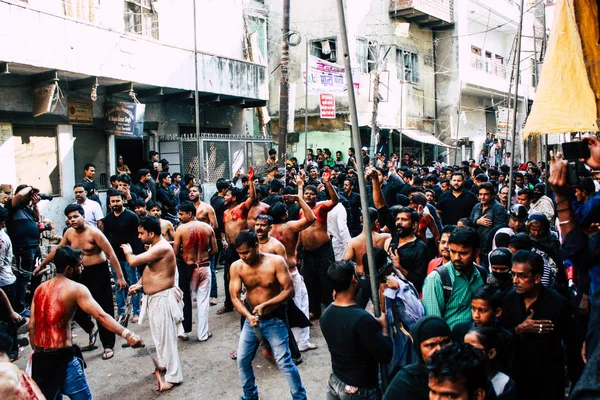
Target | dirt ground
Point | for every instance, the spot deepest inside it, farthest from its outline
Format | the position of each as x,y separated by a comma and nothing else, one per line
209,372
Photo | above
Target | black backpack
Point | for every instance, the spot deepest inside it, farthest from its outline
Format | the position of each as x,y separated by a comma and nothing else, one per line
447,282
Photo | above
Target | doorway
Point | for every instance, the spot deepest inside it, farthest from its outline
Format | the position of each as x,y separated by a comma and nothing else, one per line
134,152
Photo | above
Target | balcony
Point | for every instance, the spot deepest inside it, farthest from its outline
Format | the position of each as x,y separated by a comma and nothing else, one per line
490,66
434,14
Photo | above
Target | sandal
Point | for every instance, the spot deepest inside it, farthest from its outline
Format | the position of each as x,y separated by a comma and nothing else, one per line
213,301
224,310
108,354
209,336
93,337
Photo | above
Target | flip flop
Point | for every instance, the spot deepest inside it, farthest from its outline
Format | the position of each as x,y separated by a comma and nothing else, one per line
108,354
93,336
224,310
209,336
89,348
213,301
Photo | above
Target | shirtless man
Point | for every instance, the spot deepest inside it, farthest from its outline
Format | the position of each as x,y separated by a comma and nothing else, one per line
268,286
195,243
166,227
57,365
235,220
318,251
258,208
355,251
162,299
287,233
206,213
266,242
96,272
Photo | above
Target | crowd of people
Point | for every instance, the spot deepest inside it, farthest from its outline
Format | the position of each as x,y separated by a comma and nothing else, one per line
485,293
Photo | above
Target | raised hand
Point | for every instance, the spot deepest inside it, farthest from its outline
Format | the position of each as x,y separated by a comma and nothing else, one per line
326,175
251,174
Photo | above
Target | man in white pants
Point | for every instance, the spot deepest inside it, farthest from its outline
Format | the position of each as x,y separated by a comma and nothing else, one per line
287,233
162,298
194,244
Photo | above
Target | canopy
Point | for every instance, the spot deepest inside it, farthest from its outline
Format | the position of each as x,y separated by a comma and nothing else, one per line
568,95
423,137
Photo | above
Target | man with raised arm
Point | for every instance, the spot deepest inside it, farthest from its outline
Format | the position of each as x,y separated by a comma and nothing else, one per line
195,243
96,273
318,251
355,251
268,287
235,219
57,365
162,298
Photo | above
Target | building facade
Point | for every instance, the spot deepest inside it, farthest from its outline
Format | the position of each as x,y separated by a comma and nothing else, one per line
62,63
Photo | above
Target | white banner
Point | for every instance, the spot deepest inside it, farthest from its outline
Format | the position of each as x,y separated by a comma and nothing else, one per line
326,77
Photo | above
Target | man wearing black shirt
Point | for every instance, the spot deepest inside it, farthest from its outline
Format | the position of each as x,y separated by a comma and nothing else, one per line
129,197
141,188
167,198
353,209
356,340
457,203
120,227
539,319
22,228
89,171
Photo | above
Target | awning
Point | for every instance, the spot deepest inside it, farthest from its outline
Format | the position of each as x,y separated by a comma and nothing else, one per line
423,137
365,120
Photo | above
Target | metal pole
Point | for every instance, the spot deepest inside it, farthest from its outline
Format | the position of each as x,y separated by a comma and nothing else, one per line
401,119
362,185
374,126
284,85
359,162
307,43
517,76
458,120
196,103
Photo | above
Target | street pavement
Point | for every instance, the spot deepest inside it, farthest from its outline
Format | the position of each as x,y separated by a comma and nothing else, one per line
208,371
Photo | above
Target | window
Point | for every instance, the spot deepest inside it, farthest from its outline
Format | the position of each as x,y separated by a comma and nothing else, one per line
84,10
91,147
325,49
141,18
407,64
476,50
36,158
365,56
257,29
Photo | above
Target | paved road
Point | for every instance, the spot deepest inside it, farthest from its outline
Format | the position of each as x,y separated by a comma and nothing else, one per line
209,373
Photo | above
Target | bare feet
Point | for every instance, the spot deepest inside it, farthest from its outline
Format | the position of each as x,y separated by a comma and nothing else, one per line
165,386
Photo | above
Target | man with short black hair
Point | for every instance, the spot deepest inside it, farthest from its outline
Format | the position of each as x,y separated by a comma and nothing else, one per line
167,198
353,210
488,216
457,203
539,318
461,276
357,341
96,274
142,188
125,187
89,171
458,371
93,211
120,227
176,186
184,192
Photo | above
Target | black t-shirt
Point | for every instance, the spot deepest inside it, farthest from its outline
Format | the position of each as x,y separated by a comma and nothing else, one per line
414,257
356,345
218,203
454,208
21,226
122,229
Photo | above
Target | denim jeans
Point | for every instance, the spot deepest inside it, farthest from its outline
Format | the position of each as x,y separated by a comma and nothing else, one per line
25,264
75,384
335,391
131,276
276,333
594,279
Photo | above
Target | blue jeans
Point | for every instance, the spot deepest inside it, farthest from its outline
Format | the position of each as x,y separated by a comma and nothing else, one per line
131,276
276,333
213,282
75,384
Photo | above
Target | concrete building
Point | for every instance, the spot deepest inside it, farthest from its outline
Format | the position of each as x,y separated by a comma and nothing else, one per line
377,30
474,65
65,61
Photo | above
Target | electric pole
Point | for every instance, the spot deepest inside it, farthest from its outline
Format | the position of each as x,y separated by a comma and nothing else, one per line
284,84
374,125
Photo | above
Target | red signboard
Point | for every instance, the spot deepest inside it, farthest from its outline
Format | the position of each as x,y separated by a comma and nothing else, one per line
327,103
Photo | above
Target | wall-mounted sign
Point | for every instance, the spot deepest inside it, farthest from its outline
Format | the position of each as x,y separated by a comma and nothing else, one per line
327,105
327,77
125,119
42,99
81,111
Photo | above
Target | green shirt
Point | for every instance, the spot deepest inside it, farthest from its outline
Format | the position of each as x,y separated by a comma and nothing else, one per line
458,308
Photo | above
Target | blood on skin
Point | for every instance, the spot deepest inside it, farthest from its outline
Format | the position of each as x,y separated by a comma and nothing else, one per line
49,321
196,240
239,212
320,214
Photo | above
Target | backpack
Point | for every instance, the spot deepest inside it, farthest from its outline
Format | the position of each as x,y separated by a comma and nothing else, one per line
447,282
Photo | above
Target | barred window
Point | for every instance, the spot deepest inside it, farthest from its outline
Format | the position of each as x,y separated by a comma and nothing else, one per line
141,18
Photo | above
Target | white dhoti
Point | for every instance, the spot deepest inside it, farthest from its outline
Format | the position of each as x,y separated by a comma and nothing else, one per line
203,300
302,335
165,316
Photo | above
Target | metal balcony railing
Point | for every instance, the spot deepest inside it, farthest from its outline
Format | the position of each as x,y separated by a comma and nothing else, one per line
490,66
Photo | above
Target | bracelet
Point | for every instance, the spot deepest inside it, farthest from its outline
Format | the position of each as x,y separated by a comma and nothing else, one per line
564,222
126,334
563,209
